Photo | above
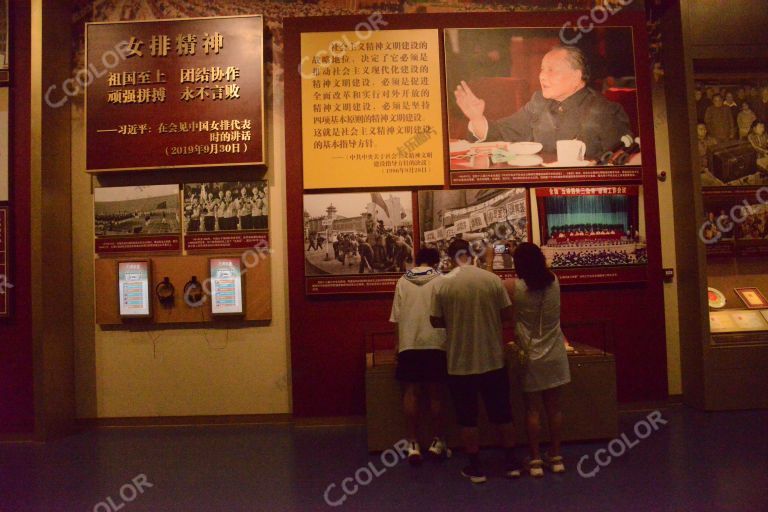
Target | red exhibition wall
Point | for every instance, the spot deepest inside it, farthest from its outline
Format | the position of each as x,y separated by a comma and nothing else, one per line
329,334
16,351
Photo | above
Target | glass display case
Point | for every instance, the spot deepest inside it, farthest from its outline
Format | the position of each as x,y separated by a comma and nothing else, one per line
731,113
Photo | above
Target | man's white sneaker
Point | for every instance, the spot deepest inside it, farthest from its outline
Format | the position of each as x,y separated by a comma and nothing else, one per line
439,449
414,453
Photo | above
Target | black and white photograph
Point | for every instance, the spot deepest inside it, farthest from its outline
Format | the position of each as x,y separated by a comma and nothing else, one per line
226,206
591,226
492,220
732,143
541,97
142,210
358,233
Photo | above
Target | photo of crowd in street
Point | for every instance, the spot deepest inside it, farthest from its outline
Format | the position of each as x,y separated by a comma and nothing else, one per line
132,211
521,98
731,119
592,226
358,233
232,206
493,221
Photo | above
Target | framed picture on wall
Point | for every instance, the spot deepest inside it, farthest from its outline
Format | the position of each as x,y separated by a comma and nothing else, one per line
5,52
489,219
732,144
592,226
137,219
752,298
225,215
521,103
357,242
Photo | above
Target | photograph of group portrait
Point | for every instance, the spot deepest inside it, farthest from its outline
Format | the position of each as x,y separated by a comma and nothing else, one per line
358,233
532,98
227,206
732,144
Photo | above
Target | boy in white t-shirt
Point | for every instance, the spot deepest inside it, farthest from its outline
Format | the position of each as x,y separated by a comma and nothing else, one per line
421,361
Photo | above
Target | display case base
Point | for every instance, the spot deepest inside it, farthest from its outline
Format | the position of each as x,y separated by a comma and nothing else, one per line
589,402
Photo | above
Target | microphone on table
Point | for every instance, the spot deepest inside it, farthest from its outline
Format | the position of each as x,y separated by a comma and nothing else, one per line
621,152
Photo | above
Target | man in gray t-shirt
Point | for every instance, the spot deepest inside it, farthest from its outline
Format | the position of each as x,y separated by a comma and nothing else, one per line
471,304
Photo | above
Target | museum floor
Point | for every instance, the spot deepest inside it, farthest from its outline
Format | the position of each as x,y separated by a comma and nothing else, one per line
698,461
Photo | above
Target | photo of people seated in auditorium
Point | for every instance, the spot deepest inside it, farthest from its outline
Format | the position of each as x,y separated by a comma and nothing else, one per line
134,211
358,233
520,98
731,117
592,226
494,221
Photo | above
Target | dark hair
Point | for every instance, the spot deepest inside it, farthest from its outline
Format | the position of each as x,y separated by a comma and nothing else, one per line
531,266
755,123
427,256
459,245
577,59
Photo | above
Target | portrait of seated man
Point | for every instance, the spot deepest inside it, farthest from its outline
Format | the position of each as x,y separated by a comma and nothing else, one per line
565,108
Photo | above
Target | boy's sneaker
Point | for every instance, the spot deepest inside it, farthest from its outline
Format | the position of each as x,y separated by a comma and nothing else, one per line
536,468
414,454
475,475
438,449
556,464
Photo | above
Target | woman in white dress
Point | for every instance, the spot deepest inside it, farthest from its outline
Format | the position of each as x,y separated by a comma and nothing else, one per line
535,296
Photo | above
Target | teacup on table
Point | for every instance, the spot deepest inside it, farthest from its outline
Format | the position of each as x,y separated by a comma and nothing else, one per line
571,152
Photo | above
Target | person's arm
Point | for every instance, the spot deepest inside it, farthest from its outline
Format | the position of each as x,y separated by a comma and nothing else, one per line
490,255
474,109
437,322
394,315
508,312
517,127
613,125
436,317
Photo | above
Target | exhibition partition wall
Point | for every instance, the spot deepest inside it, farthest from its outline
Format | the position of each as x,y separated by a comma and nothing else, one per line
381,160
718,110
16,360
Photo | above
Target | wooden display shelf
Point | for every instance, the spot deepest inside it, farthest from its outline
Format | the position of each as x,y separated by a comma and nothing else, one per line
589,402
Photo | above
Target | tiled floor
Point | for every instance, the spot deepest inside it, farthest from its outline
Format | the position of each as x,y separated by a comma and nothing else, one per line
697,462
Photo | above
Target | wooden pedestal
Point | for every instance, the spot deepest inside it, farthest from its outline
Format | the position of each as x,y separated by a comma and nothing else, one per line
589,402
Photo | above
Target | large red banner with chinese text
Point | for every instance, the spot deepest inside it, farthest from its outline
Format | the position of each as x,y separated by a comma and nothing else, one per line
178,93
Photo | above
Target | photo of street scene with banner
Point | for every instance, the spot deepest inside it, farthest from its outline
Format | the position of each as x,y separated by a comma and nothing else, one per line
492,220
225,215
357,243
137,219
523,107
592,226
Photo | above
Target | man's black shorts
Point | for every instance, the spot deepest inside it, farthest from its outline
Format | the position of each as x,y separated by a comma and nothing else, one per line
494,388
426,365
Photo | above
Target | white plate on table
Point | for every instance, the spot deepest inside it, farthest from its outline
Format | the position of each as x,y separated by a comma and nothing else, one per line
525,148
578,163
525,161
